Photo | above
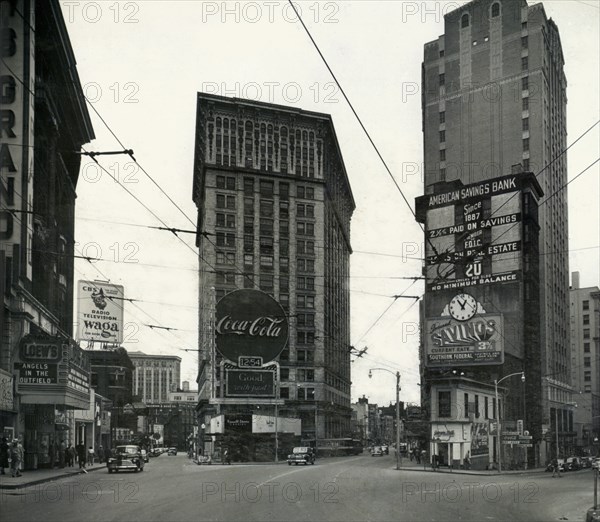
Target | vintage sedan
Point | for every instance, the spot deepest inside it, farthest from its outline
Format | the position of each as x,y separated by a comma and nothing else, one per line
126,457
301,455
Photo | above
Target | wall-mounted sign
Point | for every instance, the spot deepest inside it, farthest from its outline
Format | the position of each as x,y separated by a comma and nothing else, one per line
238,422
477,341
6,391
479,438
250,323
100,312
253,383
37,350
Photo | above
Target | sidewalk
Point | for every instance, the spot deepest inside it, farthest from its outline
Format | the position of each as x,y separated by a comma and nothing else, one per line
39,476
408,465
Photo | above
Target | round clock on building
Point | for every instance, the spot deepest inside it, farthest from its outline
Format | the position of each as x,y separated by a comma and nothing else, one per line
462,307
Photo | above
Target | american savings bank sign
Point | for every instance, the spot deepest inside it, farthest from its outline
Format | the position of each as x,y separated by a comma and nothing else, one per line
250,323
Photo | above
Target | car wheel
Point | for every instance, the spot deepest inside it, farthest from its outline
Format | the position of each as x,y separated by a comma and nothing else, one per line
312,462
289,463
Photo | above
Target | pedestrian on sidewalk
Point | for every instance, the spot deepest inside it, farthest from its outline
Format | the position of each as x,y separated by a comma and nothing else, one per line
100,454
68,456
16,457
90,456
81,455
52,453
4,449
555,467
62,448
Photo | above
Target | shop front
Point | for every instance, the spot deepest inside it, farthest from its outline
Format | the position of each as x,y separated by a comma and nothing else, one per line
52,383
8,413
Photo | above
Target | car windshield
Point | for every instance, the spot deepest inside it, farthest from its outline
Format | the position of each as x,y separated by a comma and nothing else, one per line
127,449
300,450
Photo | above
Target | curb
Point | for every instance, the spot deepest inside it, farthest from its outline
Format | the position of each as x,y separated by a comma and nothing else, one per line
36,482
485,473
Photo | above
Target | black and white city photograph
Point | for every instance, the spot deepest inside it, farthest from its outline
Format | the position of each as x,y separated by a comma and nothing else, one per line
299,260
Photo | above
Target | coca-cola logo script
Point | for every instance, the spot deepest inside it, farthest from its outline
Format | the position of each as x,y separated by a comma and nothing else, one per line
250,323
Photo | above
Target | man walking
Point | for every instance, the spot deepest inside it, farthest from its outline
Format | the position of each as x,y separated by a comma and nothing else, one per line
62,448
16,457
81,455
555,468
4,449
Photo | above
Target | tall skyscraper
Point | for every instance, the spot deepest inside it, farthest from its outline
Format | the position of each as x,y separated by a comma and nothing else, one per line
494,96
274,207
585,363
155,376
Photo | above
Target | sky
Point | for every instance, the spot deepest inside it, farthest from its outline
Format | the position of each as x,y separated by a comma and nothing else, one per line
141,65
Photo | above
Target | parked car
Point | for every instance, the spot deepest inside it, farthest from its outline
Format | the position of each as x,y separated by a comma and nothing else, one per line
586,462
301,454
596,463
572,464
126,457
386,449
145,455
377,452
172,451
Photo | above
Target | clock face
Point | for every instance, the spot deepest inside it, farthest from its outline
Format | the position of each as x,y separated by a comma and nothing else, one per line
463,307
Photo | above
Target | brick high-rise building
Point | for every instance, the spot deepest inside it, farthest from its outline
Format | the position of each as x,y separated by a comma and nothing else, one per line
494,96
274,207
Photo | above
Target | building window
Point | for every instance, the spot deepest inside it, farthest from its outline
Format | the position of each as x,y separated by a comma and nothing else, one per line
443,117
585,305
248,225
442,136
226,182
310,394
587,376
301,394
284,190
525,124
266,208
284,264
486,410
227,240
225,278
476,406
305,247
226,258
524,25
524,42
284,210
266,188
442,53
466,404
306,265
524,63
444,406
586,333
248,186
266,282
305,229
306,320
586,347
284,392
303,210
464,21
587,388
443,155
224,201
525,144
225,220
284,374
525,104
495,10
305,192
442,79
266,261
587,362
525,83
586,319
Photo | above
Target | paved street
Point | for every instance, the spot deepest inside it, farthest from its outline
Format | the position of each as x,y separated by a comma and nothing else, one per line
349,489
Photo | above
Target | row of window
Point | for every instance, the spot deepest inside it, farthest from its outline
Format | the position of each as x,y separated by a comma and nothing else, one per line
266,188
445,406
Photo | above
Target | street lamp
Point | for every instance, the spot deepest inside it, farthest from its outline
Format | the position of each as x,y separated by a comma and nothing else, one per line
397,374
499,429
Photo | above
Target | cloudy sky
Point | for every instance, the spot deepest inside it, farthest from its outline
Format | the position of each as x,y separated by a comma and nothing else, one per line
141,65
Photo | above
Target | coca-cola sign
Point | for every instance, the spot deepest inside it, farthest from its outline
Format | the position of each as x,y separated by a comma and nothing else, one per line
250,323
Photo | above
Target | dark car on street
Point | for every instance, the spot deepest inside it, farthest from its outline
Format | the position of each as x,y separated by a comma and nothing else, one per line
126,458
301,455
